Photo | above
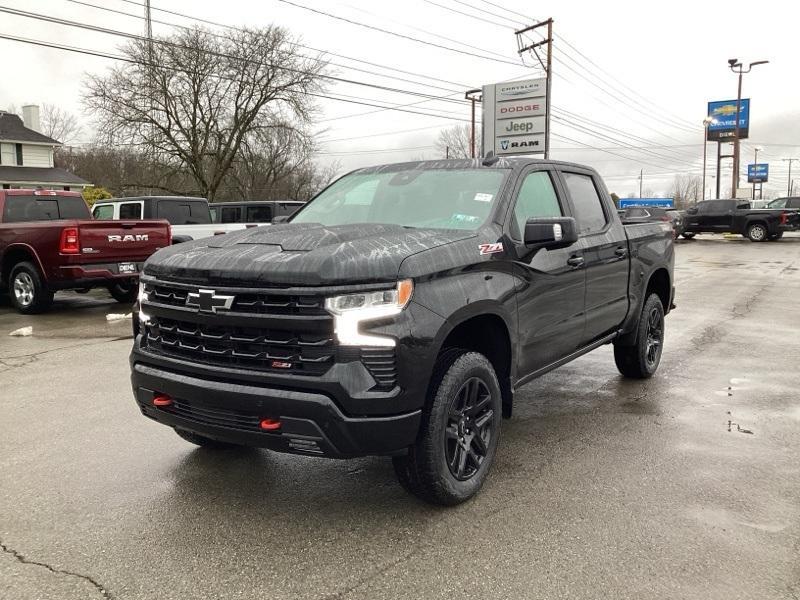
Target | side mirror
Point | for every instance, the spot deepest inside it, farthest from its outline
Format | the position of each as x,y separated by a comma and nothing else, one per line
281,219
551,232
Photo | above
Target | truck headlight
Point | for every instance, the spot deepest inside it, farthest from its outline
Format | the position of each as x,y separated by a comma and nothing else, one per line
142,297
351,310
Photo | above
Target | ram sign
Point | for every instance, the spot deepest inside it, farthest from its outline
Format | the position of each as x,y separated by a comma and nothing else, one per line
724,114
514,120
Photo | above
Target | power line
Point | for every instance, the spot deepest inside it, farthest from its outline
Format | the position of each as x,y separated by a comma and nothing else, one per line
106,55
185,28
105,30
358,60
455,10
398,35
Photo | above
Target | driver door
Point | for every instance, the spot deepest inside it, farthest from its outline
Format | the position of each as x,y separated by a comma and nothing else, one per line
550,284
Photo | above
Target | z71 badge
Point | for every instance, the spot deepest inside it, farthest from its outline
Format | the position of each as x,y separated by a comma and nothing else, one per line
491,248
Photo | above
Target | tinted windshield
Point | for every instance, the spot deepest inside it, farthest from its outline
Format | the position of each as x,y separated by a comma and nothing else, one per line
44,208
437,198
779,203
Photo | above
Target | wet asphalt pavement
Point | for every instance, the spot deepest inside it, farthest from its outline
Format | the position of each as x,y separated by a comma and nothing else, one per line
684,486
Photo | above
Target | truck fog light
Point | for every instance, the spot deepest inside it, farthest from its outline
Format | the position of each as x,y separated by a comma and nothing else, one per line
350,310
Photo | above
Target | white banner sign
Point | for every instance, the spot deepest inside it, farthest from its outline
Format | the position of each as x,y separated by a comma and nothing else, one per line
514,117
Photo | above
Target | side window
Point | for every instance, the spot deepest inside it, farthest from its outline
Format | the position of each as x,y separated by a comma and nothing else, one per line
130,210
230,214
200,213
177,213
588,208
104,212
793,203
536,198
259,214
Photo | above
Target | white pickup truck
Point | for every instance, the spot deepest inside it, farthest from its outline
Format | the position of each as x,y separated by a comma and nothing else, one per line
190,218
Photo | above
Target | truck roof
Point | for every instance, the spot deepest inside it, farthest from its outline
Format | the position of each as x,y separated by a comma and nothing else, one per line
138,198
501,162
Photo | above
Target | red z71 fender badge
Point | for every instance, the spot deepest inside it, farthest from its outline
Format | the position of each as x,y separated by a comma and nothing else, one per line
491,248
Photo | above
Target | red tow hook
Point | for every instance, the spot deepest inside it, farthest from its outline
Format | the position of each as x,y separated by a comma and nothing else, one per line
270,424
162,400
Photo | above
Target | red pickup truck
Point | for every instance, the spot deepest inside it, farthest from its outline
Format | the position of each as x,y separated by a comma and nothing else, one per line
49,242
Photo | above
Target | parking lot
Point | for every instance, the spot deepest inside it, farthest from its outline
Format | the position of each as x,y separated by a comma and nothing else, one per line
683,486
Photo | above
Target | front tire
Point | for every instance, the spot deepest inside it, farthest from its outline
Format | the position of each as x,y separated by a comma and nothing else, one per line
124,293
641,360
757,232
203,441
28,293
460,429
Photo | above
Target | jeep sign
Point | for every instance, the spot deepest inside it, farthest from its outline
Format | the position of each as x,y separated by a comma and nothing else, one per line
515,117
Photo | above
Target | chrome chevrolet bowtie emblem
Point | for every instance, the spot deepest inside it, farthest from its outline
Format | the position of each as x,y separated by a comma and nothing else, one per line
209,301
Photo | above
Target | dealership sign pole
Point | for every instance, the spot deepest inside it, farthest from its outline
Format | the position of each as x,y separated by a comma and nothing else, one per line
516,114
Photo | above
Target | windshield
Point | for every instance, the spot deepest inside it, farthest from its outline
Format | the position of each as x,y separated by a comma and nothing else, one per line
436,198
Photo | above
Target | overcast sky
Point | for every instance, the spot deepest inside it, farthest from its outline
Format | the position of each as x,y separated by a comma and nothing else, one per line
638,72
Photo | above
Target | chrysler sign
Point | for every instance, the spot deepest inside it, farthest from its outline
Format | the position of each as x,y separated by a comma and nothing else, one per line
514,117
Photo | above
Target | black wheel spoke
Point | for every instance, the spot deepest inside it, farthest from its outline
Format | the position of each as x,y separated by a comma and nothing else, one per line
484,419
479,444
462,461
451,432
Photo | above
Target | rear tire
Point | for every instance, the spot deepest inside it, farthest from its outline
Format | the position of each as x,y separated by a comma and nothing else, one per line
124,293
757,232
641,360
27,291
203,441
460,429
687,235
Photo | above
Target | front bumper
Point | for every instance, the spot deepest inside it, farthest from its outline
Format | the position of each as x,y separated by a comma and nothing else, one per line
311,423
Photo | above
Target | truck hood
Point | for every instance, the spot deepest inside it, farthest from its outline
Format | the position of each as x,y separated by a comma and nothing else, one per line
298,255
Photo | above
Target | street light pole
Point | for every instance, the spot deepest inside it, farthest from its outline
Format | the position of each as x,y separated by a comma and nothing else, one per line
738,68
706,122
790,186
756,150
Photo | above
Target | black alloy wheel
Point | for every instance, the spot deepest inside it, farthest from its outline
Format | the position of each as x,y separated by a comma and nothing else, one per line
469,429
655,336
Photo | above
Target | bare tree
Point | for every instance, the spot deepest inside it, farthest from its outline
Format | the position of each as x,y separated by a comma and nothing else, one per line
455,142
57,123
193,99
686,190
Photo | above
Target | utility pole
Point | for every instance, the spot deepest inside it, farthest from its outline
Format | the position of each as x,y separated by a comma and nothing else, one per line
738,68
756,150
473,96
790,161
641,181
706,122
547,66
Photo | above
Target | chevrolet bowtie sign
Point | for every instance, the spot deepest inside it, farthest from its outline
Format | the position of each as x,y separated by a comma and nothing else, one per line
514,117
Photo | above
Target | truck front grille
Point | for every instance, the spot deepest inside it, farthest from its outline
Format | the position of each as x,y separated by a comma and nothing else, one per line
279,351
265,303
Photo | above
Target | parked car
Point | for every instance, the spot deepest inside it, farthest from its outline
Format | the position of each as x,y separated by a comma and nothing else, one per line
736,216
49,242
253,212
190,217
397,313
787,202
652,214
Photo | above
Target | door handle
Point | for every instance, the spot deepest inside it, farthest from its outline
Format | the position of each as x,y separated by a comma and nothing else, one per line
575,261
621,252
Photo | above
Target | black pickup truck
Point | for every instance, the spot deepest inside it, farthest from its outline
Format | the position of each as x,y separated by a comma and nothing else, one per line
397,313
736,216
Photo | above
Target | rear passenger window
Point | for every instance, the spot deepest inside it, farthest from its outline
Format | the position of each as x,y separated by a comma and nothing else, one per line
536,198
588,208
259,214
130,210
104,212
229,214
